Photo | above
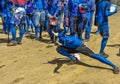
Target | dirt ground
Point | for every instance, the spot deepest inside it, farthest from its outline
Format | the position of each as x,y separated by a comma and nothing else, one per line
36,62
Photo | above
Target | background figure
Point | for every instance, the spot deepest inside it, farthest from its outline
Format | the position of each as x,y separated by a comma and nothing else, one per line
0,8
4,15
30,11
22,26
90,12
31,25
19,19
46,23
61,16
9,21
78,17
53,11
66,21
39,18
95,22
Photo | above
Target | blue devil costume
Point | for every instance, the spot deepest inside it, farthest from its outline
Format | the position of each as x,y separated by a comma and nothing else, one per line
103,11
5,14
95,18
60,16
39,17
30,11
71,44
19,18
9,19
78,18
52,11
90,12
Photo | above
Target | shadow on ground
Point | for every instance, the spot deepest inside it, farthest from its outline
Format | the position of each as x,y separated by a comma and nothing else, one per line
114,45
60,62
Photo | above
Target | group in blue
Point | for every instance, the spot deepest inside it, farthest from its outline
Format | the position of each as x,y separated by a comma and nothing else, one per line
78,17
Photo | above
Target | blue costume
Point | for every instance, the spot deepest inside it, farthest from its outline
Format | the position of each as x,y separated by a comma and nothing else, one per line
0,8
71,44
17,18
39,17
4,14
102,22
90,12
52,10
66,14
60,15
77,19
30,11
8,23
95,23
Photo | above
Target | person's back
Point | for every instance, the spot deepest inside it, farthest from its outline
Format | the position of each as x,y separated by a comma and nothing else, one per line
40,4
53,7
101,7
73,7
70,41
30,7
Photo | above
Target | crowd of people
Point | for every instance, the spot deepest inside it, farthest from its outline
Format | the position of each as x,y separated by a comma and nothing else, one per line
74,15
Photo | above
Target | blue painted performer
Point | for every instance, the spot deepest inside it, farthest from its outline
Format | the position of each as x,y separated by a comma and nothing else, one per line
70,44
9,21
52,11
90,12
103,9
39,16
95,23
19,19
77,17
4,15
30,11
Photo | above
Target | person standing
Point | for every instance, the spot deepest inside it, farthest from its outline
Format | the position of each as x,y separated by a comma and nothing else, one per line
102,22
39,16
53,11
4,15
90,13
30,11
77,16
95,23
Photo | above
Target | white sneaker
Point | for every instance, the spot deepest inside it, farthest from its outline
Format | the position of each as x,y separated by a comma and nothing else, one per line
77,56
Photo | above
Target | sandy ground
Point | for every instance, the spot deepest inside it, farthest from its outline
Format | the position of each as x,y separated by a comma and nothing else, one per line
36,62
